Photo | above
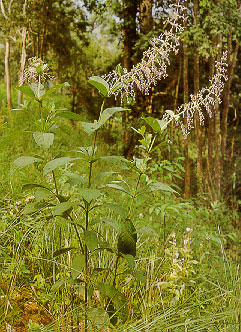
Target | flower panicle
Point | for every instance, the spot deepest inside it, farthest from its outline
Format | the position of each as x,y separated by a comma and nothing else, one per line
154,62
36,70
206,98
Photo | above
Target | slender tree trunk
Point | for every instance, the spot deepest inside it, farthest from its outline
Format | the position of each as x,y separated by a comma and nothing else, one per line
7,73
186,140
196,74
145,16
217,136
226,96
129,14
22,64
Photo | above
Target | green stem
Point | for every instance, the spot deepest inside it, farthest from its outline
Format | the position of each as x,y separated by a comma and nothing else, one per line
87,210
134,194
116,265
55,184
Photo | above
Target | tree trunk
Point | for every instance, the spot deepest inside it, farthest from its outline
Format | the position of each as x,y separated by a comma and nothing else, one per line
22,64
129,31
7,73
226,96
145,16
129,14
199,140
185,97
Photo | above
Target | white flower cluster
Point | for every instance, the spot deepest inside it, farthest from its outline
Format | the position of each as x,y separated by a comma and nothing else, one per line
206,98
153,65
36,69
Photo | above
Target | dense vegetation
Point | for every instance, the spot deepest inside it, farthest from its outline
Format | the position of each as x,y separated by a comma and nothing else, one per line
120,193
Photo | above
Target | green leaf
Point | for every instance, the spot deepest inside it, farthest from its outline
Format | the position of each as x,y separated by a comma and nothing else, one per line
153,123
55,163
89,127
62,207
116,298
74,178
27,91
127,238
98,318
111,223
69,115
37,92
161,186
117,209
116,160
139,276
41,193
62,251
108,113
53,89
44,140
117,187
90,239
77,265
130,260
22,162
89,194
33,207
58,284
100,84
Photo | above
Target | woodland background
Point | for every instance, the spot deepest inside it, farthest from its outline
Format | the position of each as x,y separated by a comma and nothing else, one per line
83,38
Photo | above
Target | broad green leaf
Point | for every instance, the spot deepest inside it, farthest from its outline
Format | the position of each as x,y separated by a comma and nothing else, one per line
62,251
89,127
44,140
58,162
38,92
111,223
117,187
139,276
101,175
41,193
35,185
161,186
156,124
90,239
77,265
153,123
127,238
140,164
107,114
116,160
130,260
69,115
117,209
27,91
23,161
58,284
98,317
117,298
89,194
33,207
74,178
100,84
53,89
62,207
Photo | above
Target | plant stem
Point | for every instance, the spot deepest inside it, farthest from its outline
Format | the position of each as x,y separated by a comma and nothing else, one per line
87,210
55,184
116,265
134,194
